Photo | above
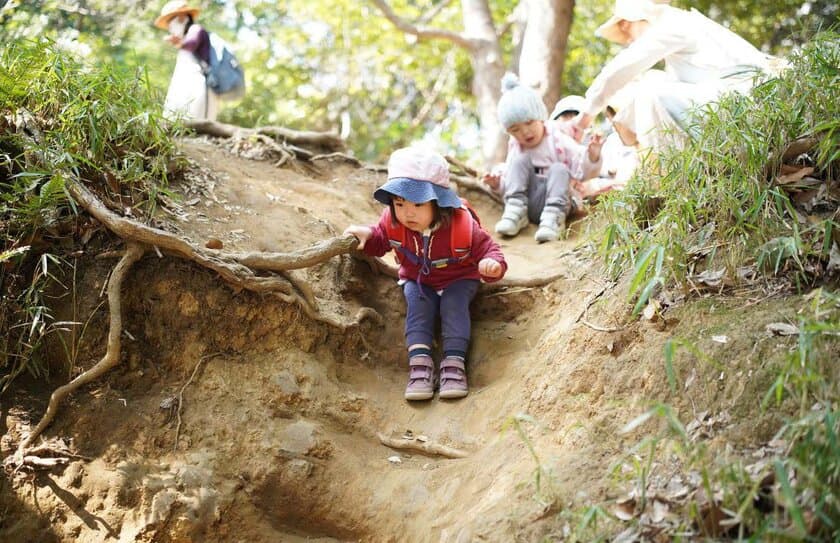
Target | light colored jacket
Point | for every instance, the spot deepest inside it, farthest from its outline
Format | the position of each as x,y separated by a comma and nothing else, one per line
566,150
695,50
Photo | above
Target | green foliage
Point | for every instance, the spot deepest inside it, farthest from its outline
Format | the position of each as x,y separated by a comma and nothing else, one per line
790,495
712,204
769,25
341,64
810,373
586,53
544,480
61,118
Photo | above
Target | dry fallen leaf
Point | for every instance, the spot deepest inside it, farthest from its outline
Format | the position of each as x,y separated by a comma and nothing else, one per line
651,311
625,509
660,512
712,278
794,176
781,329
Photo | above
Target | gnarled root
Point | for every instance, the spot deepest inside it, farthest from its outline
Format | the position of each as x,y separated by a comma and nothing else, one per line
235,268
324,141
112,353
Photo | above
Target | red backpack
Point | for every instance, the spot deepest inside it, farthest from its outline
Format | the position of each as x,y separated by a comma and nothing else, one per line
460,241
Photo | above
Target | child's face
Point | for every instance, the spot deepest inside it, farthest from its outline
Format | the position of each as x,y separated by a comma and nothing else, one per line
528,134
417,217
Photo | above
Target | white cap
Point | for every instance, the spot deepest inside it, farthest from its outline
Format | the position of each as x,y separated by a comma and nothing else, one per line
570,103
629,10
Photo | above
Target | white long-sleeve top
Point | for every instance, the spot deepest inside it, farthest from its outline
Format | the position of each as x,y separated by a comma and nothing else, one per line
695,50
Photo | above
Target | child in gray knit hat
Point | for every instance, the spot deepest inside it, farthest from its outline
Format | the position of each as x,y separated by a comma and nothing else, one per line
542,160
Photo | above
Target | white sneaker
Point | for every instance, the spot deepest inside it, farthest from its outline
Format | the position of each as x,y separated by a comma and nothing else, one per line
514,218
552,224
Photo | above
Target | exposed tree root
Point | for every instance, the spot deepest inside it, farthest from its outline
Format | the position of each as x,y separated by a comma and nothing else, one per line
380,266
181,397
112,353
304,258
237,269
325,141
339,156
470,183
425,447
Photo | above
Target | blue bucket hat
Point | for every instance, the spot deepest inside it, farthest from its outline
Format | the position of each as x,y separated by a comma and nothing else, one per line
418,175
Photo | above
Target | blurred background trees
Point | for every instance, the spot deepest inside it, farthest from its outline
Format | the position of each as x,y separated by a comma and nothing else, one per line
344,66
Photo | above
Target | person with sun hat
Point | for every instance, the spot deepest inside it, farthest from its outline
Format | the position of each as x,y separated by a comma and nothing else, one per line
188,95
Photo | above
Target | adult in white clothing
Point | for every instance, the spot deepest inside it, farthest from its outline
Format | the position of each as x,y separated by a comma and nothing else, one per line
702,60
188,95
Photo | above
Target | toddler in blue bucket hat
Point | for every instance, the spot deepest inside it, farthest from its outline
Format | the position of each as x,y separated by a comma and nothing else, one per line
443,253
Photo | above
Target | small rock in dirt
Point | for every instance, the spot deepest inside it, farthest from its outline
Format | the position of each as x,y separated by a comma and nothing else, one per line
395,459
422,439
214,243
287,383
299,438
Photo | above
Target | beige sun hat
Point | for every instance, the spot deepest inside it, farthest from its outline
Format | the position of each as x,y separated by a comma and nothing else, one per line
628,10
173,9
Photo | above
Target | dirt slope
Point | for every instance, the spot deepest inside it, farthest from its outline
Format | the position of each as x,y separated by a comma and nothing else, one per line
277,438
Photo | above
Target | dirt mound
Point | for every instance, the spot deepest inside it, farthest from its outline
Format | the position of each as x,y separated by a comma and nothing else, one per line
277,437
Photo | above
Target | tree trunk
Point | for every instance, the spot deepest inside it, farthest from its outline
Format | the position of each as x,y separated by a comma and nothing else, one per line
544,47
488,69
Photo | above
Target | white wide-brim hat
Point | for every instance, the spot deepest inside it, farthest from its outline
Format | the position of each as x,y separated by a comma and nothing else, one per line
569,104
173,9
628,10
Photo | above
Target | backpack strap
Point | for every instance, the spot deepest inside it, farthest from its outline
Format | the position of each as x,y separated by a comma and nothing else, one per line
397,238
460,237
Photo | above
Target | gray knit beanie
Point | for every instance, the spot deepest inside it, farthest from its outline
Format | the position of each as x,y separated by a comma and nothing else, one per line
519,104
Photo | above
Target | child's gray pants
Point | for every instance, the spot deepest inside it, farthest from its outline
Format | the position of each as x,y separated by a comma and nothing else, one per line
537,187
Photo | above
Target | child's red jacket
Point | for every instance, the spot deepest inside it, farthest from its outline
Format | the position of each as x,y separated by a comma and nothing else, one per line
439,248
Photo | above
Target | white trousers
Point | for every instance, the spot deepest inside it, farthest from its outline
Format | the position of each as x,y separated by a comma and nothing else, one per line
656,106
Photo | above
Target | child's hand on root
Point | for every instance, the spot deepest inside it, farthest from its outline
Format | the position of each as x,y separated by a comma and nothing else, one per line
489,268
362,233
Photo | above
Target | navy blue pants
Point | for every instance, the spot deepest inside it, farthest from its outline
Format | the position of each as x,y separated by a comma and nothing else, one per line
453,306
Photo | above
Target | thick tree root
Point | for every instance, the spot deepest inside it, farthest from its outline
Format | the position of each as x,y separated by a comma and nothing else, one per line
325,141
112,353
236,269
380,266
425,447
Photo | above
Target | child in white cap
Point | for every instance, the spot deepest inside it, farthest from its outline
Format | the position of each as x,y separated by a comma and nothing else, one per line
443,253
541,162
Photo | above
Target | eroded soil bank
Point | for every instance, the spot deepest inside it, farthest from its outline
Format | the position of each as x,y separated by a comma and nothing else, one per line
278,430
